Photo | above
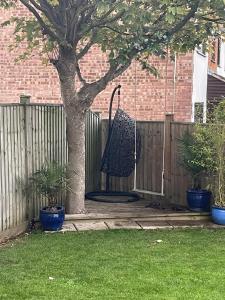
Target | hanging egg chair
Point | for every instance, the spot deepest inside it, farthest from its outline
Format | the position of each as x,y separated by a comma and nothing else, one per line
123,148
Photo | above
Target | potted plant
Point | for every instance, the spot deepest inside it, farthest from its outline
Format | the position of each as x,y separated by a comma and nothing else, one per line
217,137
196,158
50,182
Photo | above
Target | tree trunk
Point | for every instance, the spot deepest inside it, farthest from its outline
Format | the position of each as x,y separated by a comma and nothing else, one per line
76,161
75,125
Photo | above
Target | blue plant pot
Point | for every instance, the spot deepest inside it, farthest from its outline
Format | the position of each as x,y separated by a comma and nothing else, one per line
218,215
199,200
52,221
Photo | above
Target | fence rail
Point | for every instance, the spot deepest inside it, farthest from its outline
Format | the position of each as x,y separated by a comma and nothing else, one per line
31,135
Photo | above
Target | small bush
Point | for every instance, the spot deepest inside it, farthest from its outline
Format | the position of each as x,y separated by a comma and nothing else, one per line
49,181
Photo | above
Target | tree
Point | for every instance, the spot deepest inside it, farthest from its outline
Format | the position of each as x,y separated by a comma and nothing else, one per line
124,30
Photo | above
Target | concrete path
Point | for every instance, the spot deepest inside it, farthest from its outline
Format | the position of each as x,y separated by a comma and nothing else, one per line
84,225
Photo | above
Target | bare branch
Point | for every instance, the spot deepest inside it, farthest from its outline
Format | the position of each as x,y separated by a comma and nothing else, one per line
108,13
176,28
87,47
117,31
52,16
36,5
89,91
47,10
218,20
81,78
184,21
43,25
103,21
86,16
161,16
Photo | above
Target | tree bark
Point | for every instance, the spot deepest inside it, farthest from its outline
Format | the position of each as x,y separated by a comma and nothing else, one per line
75,125
76,160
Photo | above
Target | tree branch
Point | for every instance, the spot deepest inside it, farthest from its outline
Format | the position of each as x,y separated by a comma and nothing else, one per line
44,26
103,21
177,27
84,19
52,16
89,91
184,21
36,5
218,20
81,78
87,47
117,31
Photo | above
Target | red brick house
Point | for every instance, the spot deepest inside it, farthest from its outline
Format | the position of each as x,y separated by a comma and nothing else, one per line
182,83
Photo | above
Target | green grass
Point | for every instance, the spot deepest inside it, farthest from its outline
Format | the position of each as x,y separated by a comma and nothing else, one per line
188,264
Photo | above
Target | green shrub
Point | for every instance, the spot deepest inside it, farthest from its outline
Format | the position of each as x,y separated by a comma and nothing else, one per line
49,181
196,154
203,153
216,129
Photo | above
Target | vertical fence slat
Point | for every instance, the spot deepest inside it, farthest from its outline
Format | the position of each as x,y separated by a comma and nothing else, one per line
20,163
1,170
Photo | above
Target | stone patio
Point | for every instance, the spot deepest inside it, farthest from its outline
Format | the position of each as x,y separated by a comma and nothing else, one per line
135,215
84,225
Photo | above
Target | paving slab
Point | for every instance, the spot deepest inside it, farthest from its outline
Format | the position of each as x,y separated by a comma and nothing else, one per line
113,224
90,225
68,227
213,225
154,225
188,223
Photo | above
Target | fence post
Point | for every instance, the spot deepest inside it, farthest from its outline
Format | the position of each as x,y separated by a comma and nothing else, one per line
169,118
24,100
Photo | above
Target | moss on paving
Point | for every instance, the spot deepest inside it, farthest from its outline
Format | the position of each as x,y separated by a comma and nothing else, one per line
187,264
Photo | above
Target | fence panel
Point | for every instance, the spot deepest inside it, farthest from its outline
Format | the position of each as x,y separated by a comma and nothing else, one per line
46,142
93,151
150,165
31,135
180,179
12,161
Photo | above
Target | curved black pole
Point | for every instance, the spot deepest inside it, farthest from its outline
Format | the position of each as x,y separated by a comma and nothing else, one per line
110,128
110,108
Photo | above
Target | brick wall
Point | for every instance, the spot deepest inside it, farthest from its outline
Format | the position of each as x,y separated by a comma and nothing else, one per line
154,96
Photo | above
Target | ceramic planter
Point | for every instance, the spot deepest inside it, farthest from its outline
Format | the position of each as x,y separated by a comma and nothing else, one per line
199,200
218,215
52,220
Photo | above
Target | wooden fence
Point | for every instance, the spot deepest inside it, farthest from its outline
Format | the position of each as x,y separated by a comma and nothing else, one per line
150,165
31,135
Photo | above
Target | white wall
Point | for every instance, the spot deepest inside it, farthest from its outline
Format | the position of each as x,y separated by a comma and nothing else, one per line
200,78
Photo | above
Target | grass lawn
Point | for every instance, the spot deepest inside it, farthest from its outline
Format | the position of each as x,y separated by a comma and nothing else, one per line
187,264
